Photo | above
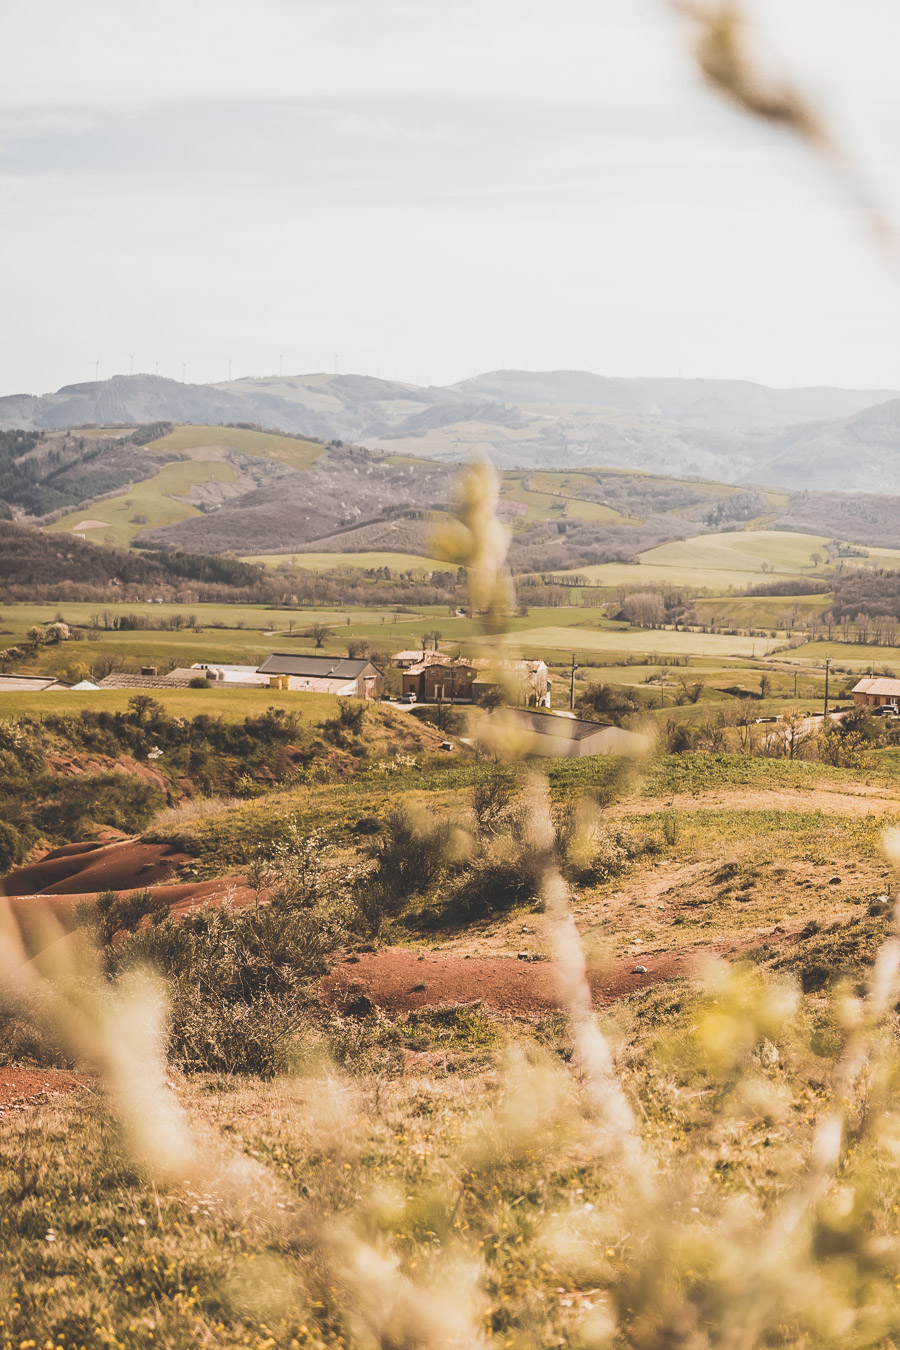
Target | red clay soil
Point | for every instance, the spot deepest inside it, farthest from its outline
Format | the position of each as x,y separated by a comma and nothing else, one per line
78,873
96,866
400,981
20,1088
77,765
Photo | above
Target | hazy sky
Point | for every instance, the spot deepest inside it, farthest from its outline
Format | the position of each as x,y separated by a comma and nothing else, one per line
429,189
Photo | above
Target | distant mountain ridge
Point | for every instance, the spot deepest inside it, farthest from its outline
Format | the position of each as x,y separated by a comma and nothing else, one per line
730,430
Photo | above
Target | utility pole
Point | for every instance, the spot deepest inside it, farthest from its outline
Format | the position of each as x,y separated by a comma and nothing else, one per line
183,371
97,370
131,363
279,364
795,685
572,687
827,664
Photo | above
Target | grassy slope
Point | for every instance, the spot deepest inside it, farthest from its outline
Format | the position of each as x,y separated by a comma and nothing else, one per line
268,445
156,498
325,562
741,551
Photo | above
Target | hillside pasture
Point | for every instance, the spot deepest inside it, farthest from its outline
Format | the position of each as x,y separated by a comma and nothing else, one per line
742,551
762,611
157,501
558,505
292,450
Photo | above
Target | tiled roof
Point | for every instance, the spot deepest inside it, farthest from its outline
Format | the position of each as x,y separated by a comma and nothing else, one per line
445,664
122,681
879,685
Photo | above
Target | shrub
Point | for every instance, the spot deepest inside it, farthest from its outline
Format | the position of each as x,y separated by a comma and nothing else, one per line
409,854
236,979
117,912
505,872
13,847
603,849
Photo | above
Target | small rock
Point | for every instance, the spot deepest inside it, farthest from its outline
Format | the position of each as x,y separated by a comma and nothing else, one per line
522,956
419,988
834,881
359,1006
639,970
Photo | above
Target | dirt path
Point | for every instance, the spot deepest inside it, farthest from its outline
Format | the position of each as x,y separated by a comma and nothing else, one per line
863,800
400,981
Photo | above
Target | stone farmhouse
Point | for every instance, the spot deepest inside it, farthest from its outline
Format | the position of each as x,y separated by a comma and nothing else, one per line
439,679
527,682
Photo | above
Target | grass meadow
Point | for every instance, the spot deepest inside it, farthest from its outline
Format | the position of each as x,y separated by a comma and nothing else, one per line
157,500
295,451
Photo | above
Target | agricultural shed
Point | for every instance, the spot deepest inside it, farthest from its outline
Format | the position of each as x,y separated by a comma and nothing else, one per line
228,674
875,692
559,737
29,684
324,674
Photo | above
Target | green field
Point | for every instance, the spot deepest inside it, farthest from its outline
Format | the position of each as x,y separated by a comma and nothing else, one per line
859,656
741,551
556,505
328,562
267,445
762,611
650,576
159,499
231,704
640,640
720,563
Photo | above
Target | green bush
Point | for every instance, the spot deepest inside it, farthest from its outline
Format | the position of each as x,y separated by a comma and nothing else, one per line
409,854
237,979
118,912
13,847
